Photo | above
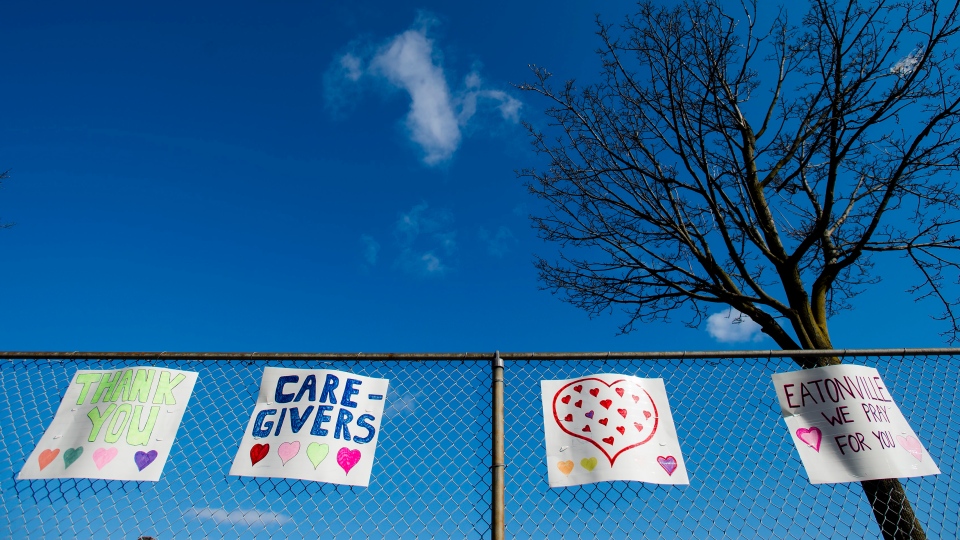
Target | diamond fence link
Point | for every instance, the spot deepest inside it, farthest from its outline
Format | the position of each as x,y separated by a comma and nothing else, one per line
432,475
746,478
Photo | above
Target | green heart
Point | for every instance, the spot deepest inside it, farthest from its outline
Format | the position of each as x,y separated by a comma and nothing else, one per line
317,453
588,463
71,455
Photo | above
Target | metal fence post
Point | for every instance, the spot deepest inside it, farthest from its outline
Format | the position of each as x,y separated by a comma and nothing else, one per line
498,506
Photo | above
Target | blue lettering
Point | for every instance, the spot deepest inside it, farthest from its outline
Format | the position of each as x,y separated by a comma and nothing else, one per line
362,422
348,391
261,428
328,387
318,422
279,396
309,384
343,421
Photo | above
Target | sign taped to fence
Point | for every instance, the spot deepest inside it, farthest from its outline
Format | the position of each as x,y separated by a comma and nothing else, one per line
846,426
610,427
313,424
113,425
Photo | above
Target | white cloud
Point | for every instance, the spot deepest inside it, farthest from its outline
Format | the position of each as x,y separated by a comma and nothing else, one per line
250,518
731,326
351,66
408,62
437,116
422,233
498,243
401,404
371,249
906,65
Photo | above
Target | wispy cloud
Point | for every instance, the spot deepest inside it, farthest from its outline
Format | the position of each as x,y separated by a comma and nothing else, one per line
250,518
424,236
499,242
411,61
731,326
371,249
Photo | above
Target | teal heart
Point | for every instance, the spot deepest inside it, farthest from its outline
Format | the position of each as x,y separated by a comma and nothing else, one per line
71,455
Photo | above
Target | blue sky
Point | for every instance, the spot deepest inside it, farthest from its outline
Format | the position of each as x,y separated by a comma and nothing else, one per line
304,176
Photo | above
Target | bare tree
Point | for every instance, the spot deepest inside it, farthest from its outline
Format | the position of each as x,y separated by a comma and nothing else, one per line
716,164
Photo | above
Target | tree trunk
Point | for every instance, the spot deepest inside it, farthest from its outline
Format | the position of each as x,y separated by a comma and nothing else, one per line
892,510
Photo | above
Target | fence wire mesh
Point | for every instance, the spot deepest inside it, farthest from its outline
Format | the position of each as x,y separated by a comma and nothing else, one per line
432,475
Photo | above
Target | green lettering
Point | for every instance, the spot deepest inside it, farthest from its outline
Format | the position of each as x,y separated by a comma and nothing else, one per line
122,389
106,384
142,382
86,379
98,420
137,436
114,432
164,394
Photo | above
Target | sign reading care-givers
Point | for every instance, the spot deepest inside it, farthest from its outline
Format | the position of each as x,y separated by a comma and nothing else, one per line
313,424
113,425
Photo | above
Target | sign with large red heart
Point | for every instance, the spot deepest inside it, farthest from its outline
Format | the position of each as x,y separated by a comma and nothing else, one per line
622,420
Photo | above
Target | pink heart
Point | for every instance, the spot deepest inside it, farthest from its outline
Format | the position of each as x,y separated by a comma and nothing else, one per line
619,395
288,450
811,437
102,456
912,445
669,463
347,458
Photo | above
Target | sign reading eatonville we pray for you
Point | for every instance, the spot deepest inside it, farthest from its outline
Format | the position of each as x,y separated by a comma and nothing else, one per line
847,427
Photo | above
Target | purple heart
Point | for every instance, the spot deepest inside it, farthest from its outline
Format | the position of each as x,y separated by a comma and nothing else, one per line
589,414
142,459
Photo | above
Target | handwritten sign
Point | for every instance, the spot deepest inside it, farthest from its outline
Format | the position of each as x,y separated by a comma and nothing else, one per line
319,425
610,427
847,427
113,425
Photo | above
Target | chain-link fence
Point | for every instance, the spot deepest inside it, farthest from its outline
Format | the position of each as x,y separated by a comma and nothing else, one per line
432,476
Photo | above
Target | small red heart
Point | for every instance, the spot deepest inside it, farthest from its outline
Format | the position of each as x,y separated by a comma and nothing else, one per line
585,428
623,412
603,422
568,418
594,392
258,452
621,429
578,404
619,392
647,415
578,388
606,403
636,399
565,399
608,440
638,425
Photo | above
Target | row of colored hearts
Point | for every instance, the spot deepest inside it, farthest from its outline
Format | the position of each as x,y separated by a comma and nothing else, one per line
316,453
101,457
669,464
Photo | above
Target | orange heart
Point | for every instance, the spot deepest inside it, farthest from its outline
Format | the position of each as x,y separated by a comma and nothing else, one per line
47,456
566,467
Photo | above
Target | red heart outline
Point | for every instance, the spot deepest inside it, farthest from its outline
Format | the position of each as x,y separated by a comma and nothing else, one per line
613,458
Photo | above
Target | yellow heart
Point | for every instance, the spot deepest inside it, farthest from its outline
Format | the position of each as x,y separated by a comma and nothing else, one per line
588,463
566,467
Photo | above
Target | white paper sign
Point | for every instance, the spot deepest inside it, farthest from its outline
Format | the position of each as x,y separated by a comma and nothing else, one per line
113,425
313,424
846,426
610,427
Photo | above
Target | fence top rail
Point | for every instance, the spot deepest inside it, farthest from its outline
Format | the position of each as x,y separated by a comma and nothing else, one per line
471,356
